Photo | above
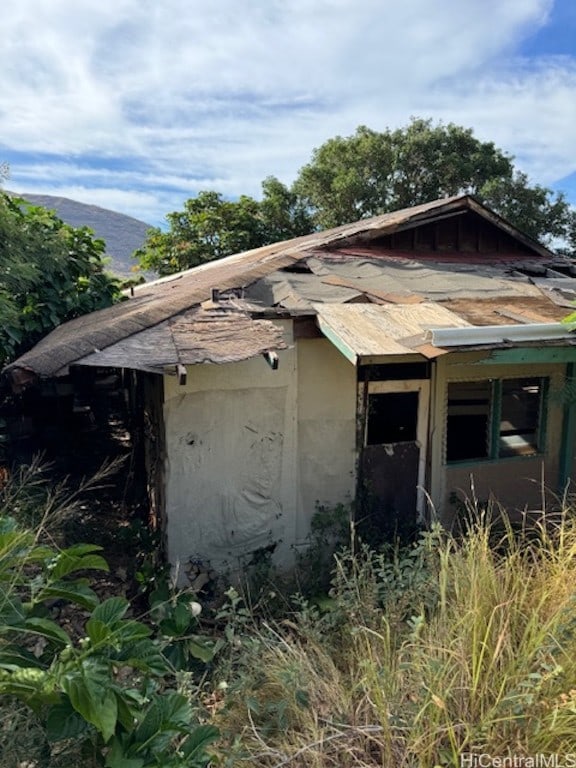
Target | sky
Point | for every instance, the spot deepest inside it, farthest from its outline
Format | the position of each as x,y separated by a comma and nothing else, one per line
137,105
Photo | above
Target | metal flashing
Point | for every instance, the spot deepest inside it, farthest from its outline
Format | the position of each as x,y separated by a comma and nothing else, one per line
498,334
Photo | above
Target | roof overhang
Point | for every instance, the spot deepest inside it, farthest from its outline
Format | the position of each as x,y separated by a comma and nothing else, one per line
369,334
213,334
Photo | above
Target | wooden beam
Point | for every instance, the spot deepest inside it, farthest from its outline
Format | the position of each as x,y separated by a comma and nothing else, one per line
530,355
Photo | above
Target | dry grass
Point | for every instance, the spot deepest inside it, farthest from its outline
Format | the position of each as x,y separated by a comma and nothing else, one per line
472,648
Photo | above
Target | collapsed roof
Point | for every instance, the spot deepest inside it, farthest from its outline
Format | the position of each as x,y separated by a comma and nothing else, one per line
460,261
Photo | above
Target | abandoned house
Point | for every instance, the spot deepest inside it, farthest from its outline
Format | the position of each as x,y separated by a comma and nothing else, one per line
387,363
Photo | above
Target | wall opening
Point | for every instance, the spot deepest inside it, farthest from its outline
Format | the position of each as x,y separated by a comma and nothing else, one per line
468,420
392,418
495,419
520,417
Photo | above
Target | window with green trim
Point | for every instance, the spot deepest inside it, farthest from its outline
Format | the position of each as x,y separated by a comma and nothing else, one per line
495,419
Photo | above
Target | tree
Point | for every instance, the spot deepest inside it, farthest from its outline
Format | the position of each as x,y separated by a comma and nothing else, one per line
370,173
50,272
211,227
283,213
533,209
353,177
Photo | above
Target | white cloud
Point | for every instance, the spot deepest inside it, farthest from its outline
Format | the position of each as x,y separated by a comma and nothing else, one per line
172,97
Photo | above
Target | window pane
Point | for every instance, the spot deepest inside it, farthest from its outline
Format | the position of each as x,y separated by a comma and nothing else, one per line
392,418
468,420
520,416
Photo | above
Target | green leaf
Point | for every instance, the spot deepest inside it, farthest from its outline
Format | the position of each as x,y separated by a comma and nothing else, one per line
131,631
108,716
94,701
63,722
144,655
74,592
47,628
12,612
201,649
116,757
111,610
79,550
182,618
175,708
67,564
195,745
150,725
97,631
126,713
169,713
117,633
12,657
38,554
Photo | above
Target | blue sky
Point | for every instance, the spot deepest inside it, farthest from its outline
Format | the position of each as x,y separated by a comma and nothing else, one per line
137,105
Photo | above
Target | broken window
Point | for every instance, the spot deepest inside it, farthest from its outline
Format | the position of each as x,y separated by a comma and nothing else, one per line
520,409
495,419
392,418
468,420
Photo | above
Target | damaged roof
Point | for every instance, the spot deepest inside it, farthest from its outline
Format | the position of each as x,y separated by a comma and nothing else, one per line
391,261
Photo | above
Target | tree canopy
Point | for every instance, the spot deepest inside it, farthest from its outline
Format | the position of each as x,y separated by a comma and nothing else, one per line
371,173
50,272
353,177
211,227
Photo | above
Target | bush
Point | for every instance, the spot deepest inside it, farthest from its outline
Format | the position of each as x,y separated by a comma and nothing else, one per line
101,686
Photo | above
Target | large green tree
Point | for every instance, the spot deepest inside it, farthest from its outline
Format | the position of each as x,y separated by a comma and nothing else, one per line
353,177
50,272
373,172
211,227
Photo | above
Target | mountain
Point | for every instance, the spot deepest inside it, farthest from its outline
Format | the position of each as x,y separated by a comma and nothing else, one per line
122,234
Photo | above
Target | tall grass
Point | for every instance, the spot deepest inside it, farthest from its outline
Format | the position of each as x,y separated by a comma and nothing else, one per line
458,645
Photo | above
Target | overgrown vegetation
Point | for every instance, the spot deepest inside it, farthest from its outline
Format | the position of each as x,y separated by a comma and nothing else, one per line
50,272
413,657
93,685
451,646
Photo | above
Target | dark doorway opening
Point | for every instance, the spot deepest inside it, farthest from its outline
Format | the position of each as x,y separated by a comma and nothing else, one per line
392,417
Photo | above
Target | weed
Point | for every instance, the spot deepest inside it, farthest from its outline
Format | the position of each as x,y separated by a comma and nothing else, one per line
450,645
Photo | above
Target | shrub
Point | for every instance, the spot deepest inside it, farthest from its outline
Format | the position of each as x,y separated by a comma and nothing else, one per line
101,685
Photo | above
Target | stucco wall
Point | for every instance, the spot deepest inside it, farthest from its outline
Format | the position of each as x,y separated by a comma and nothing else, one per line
249,452
326,429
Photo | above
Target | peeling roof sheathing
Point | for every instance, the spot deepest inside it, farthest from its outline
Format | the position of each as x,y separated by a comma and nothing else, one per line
216,335
363,330
134,331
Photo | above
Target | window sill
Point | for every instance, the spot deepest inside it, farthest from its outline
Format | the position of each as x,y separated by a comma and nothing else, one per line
501,460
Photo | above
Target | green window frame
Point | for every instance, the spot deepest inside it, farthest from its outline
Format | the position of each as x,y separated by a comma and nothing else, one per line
496,419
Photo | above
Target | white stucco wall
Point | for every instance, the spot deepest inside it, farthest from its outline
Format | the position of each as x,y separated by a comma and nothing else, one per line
326,429
249,452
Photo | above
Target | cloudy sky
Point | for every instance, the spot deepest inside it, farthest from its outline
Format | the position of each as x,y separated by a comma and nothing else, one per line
137,105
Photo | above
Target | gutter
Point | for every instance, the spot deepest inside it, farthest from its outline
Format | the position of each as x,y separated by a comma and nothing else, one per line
499,334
